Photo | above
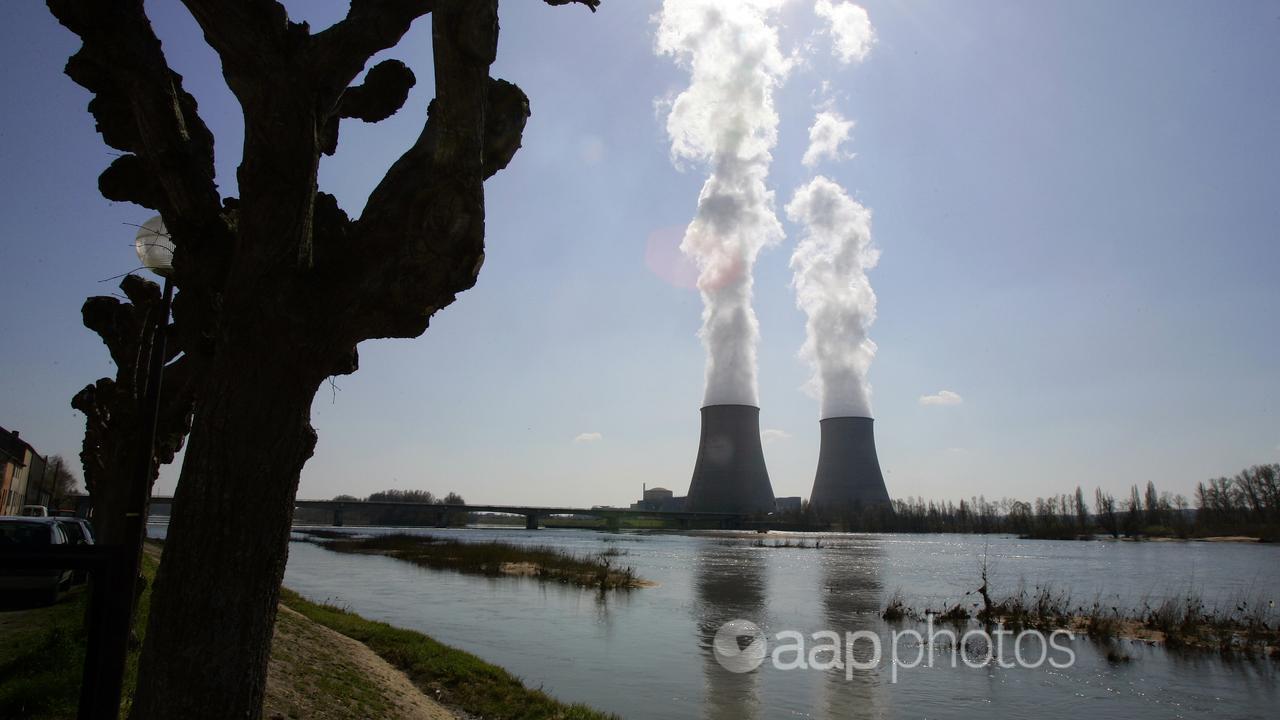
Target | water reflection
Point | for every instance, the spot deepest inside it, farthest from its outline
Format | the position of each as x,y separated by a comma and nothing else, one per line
729,584
851,597
637,654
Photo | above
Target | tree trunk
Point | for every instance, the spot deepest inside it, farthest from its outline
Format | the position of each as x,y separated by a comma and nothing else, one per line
215,596
279,286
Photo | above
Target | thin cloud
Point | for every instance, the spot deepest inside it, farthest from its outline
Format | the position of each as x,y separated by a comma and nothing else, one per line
942,397
588,437
829,131
850,27
771,435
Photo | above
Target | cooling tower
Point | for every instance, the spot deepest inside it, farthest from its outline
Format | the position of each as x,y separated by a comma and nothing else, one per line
730,475
848,469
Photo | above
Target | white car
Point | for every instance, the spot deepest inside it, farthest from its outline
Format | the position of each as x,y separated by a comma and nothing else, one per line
32,532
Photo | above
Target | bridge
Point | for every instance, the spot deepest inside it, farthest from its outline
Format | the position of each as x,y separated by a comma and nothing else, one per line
439,514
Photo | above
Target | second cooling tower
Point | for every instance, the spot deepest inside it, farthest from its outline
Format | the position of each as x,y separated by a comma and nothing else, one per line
730,475
848,468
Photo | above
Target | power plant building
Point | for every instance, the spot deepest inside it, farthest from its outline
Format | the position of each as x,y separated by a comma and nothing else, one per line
848,476
729,474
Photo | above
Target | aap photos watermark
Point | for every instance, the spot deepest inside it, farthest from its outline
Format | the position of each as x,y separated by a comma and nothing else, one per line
740,646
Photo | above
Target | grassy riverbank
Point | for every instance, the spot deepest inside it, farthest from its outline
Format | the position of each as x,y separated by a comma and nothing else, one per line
450,676
326,664
544,562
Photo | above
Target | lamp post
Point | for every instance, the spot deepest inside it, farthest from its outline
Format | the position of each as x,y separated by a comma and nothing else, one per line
155,251
116,589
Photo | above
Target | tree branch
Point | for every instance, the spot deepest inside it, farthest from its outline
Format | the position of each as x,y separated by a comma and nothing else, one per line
141,108
244,33
421,236
591,4
112,407
370,27
381,95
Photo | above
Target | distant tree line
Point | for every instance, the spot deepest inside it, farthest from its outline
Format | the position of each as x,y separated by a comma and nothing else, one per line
384,515
1246,504
424,497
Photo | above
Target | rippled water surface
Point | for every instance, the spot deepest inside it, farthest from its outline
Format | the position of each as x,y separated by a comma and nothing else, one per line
646,653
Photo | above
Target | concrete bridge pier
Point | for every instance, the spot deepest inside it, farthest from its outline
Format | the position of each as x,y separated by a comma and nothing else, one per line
337,516
613,522
682,523
442,518
531,521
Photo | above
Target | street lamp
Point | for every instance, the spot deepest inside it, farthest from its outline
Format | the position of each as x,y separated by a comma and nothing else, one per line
155,251
116,587
155,247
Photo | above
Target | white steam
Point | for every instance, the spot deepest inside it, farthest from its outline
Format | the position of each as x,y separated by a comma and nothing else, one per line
830,265
850,29
829,131
726,120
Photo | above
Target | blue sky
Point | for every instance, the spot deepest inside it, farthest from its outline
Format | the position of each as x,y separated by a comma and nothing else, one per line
1077,205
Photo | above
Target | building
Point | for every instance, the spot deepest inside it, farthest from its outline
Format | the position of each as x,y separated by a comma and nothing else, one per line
659,498
658,495
19,459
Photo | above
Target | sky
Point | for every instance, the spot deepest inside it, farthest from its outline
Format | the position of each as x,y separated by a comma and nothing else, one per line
1076,206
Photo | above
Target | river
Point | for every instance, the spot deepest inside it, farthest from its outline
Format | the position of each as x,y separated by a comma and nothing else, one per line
647,653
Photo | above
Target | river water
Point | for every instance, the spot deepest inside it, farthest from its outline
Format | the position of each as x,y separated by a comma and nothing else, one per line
647,653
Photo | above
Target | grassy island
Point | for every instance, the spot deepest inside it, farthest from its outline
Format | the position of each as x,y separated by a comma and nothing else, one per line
495,558
1242,627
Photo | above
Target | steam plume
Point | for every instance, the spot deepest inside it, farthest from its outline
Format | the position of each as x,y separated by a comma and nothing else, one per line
830,264
725,119
829,131
851,33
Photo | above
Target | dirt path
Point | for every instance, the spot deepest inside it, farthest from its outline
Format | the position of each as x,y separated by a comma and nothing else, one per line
320,674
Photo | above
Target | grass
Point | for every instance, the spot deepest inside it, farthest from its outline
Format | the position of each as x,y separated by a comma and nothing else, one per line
1249,627
496,558
42,657
45,681
453,677
957,613
896,610
311,676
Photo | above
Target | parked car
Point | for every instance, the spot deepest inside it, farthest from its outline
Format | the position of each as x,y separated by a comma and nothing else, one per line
32,532
35,511
78,532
